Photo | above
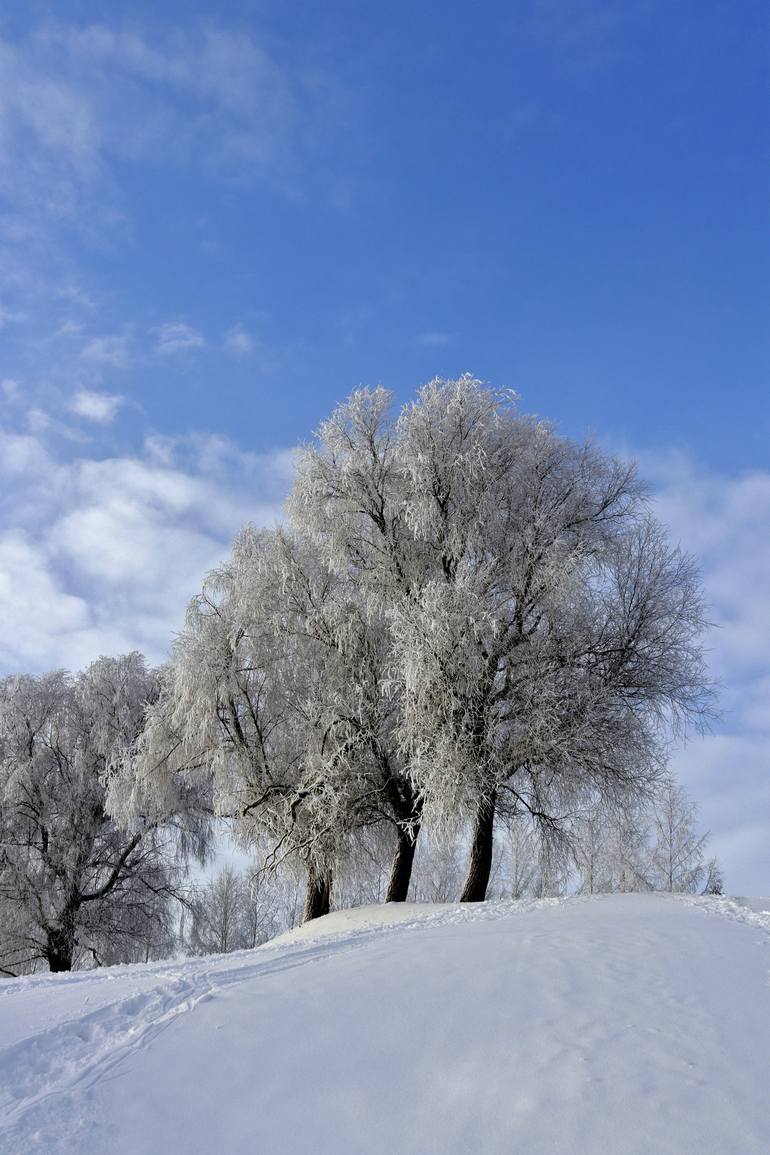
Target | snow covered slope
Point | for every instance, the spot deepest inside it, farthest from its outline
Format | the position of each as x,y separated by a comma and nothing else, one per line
617,1024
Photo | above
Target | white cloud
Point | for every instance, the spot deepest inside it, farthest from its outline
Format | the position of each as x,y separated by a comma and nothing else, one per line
93,406
36,609
106,553
22,455
239,342
69,328
43,624
724,520
177,337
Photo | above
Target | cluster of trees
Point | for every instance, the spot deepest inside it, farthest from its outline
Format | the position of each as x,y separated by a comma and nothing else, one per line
467,623
238,910
654,847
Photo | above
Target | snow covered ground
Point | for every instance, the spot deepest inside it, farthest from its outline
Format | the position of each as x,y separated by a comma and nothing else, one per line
614,1024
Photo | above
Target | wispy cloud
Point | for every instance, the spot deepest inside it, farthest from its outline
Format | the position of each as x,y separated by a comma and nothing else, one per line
76,97
50,142
94,406
176,337
239,342
226,105
11,317
113,350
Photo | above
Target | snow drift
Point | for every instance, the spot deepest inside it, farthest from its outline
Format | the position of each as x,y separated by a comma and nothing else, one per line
615,1024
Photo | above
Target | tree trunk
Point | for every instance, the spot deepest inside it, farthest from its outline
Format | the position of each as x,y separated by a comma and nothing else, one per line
480,866
407,808
318,894
60,947
401,867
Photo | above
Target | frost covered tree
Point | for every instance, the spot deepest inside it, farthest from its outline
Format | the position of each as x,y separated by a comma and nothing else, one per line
562,635
545,632
276,689
77,886
238,909
678,858
438,869
644,844
240,708
466,615
217,914
349,499
611,846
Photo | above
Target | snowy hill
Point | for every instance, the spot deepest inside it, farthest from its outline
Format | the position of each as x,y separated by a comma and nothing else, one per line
615,1024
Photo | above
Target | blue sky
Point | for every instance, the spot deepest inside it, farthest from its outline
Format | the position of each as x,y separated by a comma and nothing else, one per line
215,222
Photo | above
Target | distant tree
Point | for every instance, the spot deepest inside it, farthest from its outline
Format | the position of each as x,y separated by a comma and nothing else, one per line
77,886
520,840
238,909
518,859
715,882
678,861
626,830
592,852
364,876
644,844
217,914
438,871
535,861
272,903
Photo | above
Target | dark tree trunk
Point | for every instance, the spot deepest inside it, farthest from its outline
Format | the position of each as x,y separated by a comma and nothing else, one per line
401,867
318,894
407,809
60,947
480,866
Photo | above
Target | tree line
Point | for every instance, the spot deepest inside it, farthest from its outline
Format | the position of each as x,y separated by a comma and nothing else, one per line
467,624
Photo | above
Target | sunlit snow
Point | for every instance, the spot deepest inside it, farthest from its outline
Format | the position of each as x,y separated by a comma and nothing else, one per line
613,1024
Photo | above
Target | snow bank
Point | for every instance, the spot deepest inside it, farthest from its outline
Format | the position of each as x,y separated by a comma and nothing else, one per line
617,1024
401,914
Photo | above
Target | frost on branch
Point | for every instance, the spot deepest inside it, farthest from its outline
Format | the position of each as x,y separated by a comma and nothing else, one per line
77,884
544,633
466,615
